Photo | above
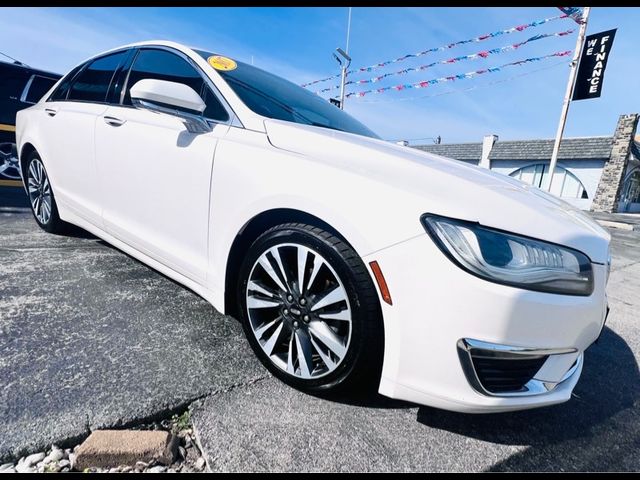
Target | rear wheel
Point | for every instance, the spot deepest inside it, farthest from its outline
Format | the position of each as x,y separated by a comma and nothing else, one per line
41,199
310,310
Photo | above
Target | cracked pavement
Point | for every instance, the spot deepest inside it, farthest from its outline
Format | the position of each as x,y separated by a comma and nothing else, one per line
91,338
597,430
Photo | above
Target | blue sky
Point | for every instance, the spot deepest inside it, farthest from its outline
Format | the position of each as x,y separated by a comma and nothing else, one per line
297,43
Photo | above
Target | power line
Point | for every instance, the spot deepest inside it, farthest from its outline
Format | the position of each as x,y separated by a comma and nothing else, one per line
16,61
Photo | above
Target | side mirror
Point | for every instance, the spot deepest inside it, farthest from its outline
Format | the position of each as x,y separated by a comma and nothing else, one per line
170,98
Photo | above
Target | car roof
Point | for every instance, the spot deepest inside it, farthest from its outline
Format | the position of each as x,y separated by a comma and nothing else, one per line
32,70
158,43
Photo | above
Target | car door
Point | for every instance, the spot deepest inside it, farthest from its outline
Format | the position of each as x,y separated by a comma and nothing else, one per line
155,175
68,123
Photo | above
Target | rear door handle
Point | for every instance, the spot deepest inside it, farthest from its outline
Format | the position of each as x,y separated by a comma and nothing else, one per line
51,111
113,121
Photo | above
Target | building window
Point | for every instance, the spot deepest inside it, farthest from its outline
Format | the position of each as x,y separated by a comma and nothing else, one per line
631,188
565,184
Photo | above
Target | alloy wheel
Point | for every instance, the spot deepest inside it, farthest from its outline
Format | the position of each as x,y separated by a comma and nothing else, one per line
39,191
9,167
299,310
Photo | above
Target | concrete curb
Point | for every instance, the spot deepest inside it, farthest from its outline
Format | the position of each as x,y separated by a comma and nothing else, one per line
618,225
111,448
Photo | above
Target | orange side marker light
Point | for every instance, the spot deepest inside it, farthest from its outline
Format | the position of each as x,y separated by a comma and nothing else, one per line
382,284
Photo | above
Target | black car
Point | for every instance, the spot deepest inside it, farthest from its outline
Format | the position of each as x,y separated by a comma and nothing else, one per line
20,87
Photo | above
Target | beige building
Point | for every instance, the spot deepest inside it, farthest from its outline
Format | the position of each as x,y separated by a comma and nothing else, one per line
593,173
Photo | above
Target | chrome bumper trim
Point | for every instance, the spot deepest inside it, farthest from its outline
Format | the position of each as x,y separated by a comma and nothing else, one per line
533,387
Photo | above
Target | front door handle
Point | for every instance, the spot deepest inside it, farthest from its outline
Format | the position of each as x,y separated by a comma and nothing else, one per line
51,111
113,121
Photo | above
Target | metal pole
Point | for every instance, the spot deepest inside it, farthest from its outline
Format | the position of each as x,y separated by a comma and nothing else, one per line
345,65
348,31
342,82
568,94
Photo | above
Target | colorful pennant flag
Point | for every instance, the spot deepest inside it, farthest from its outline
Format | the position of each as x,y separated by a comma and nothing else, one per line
518,28
574,12
460,76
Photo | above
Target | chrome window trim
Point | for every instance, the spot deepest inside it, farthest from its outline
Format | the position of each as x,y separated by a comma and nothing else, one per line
533,387
25,90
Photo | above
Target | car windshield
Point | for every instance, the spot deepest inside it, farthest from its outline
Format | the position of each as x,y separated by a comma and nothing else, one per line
274,97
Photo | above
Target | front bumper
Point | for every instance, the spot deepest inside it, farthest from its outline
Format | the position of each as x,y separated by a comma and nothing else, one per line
437,305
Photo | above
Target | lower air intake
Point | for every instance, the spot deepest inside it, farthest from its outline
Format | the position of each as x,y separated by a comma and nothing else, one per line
502,372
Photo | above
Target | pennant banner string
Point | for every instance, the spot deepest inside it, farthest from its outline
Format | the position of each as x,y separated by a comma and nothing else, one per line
467,89
460,76
480,38
473,56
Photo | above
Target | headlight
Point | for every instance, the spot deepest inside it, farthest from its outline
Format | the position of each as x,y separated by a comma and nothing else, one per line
511,259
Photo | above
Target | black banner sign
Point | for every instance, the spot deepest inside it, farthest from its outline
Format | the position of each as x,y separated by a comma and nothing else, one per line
592,65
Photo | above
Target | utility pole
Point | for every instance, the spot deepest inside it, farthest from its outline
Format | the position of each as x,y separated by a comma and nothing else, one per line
569,93
344,64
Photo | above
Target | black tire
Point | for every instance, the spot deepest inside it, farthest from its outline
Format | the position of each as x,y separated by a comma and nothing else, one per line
53,224
361,365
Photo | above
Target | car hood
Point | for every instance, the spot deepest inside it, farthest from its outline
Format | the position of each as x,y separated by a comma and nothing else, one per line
447,187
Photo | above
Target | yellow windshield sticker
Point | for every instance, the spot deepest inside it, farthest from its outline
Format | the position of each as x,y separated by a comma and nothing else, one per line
222,63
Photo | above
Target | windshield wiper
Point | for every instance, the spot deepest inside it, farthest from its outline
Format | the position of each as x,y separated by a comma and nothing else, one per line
316,124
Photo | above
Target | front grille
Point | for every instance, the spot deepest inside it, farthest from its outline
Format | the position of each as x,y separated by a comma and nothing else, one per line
501,372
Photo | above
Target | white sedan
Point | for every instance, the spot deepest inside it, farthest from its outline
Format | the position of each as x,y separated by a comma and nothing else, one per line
350,261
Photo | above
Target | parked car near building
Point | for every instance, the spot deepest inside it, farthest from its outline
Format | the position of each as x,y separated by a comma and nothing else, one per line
20,87
348,259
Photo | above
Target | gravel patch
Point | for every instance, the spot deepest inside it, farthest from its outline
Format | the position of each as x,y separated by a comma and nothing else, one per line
58,460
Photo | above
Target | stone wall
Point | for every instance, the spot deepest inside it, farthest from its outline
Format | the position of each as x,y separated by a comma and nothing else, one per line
610,186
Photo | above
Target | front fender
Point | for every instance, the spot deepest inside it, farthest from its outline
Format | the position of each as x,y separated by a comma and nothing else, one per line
251,177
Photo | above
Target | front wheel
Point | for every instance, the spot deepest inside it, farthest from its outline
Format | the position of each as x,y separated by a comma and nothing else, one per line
310,310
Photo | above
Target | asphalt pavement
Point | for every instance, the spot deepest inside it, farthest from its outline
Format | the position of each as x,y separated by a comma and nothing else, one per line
91,338
270,427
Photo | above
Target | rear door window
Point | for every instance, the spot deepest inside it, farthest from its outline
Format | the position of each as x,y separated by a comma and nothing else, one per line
92,84
61,91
